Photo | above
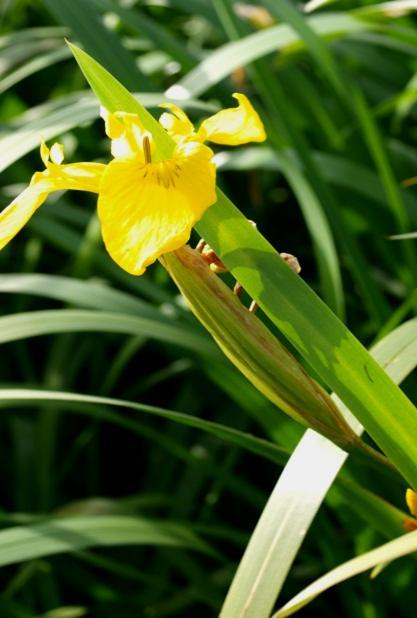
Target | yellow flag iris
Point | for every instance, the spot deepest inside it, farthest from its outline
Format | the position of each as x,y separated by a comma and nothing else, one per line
147,203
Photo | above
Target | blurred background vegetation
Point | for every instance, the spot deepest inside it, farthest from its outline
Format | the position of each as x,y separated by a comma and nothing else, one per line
336,85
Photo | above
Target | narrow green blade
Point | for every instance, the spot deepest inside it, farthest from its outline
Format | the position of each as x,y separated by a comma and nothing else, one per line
71,534
402,546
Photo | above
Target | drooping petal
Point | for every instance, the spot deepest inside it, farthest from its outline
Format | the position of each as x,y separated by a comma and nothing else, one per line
79,176
126,132
148,210
233,126
17,214
177,124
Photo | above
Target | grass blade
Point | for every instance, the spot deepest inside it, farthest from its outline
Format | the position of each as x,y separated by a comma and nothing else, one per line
87,404
33,66
75,533
86,294
36,323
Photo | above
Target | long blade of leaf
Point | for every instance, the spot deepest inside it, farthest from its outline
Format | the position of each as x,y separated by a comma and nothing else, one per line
87,294
85,404
35,323
70,534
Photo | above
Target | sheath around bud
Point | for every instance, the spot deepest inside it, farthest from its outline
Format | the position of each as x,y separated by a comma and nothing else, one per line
254,350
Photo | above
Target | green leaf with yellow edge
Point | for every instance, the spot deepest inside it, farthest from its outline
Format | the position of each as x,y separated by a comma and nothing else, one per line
319,336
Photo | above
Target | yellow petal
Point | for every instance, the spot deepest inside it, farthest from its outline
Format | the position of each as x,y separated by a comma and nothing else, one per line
45,154
126,132
18,213
177,124
113,127
148,210
411,499
57,153
233,126
79,176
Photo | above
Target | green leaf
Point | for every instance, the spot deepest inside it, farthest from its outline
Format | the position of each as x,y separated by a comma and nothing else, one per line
286,12
69,534
409,236
29,35
88,294
254,350
390,183
93,405
33,66
374,510
34,323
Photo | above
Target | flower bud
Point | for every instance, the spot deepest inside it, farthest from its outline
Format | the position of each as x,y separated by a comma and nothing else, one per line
254,350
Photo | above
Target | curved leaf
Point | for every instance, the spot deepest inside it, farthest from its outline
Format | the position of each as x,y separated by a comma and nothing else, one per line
398,548
35,323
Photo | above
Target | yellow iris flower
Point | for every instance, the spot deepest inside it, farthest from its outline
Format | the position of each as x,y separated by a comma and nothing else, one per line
147,204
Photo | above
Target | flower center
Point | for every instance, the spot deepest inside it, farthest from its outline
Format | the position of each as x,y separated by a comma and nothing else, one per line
163,173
